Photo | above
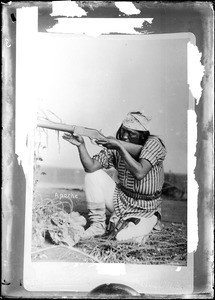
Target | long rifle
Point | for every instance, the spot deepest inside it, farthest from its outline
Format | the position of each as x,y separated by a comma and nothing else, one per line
91,133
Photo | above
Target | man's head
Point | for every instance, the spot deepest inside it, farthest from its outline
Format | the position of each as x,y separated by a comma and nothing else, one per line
137,121
134,128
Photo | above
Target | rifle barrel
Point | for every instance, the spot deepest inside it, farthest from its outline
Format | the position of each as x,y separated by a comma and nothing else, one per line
93,134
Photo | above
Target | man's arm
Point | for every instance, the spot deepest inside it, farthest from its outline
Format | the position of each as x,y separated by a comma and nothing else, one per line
137,167
90,165
93,134
133,149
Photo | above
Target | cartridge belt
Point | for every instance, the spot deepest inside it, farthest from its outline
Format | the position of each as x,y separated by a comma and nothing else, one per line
138,196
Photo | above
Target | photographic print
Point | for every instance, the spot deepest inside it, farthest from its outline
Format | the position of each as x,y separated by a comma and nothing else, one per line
106,135
96,88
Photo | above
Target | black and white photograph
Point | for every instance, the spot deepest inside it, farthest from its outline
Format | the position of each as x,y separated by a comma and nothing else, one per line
91,190
106,139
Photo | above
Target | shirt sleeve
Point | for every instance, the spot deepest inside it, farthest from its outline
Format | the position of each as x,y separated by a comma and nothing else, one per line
106,158
153,151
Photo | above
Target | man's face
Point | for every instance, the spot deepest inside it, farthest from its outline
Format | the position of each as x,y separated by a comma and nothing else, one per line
129,135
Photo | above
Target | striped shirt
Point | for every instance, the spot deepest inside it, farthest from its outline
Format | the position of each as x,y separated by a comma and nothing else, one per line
154,152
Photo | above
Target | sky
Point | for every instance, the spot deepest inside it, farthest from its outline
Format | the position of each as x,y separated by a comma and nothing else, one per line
96,81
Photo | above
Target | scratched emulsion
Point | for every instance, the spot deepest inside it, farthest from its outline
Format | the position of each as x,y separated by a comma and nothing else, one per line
67,9
26,100
195,73
127,8
95,26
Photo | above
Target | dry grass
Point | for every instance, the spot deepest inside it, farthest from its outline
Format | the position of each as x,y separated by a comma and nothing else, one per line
168,246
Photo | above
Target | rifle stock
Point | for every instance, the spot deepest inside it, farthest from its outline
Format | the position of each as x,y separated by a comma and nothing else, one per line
93,134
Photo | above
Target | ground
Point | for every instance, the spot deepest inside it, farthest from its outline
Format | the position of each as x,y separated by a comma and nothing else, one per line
168,246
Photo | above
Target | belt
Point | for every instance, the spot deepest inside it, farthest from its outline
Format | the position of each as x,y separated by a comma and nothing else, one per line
138,196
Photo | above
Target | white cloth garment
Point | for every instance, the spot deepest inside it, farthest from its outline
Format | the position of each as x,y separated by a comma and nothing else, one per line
99,190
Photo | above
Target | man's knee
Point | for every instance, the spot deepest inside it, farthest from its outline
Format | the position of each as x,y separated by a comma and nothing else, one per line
132,231
93,176
93,187
98,178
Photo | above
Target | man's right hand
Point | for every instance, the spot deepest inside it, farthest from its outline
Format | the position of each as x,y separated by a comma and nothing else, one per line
76,140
